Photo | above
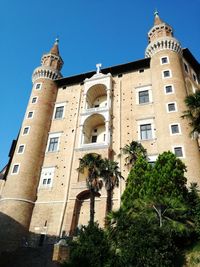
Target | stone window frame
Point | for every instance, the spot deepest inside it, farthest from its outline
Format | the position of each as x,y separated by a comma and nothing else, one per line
35,101
36,85
13,167
144,122
179,127
166,77
182,148
33,113
53,135
139,89
167,107
57,105
172,92
161,58
47,185
29,127
20,145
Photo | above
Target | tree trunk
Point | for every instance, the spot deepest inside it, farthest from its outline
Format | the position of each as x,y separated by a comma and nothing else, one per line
108,205
92,203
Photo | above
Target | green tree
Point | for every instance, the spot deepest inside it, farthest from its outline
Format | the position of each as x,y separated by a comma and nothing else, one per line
193,113
133,151
111,175
90,249
92,163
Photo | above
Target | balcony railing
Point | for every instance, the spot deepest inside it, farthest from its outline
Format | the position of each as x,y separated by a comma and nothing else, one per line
93,110
91,146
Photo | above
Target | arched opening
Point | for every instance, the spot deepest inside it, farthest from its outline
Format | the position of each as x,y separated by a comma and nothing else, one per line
81,213
96,97
189,88
94,130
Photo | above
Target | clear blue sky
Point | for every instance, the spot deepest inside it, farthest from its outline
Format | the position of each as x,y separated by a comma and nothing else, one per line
108,31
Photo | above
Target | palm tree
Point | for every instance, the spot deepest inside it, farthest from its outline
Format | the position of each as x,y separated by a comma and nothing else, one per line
111,174
133,151
92,163
193,113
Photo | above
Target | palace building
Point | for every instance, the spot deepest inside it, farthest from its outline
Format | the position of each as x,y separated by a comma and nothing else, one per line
100,112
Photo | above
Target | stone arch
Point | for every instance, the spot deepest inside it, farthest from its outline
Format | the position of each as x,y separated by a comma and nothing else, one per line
81,210
96,96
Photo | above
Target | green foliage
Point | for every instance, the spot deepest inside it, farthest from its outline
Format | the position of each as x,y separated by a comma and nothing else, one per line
193,113
138,242
91,249
133,151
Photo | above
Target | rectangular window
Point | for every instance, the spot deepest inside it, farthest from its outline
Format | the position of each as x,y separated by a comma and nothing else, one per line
164,60
175,129
26,130
59,112
15,169
186,68
38,86
53,144
143,97
94,138
145,132
30,115
46,177
194,77
171,107
169,89
34,100
166,74
20,149
178,151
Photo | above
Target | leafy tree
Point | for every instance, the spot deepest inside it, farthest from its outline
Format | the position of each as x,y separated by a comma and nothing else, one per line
133,151
91,249
193,113
92,163
111,174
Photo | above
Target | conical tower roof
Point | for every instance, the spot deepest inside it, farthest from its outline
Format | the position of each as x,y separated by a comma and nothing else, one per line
55,50
157,19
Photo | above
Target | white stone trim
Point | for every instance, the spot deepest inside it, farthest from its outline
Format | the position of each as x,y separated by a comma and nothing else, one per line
35,86
179,127
53,135
183,150
42,177
62,104
33,103
20,153
13,165
143,88
175,104
29,127
166,62
142,122
17,199
33,113
170,74
172,89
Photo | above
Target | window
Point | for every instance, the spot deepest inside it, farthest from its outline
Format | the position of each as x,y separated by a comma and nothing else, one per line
30,115
20,149
141,70
15,169
94,138
166,74
46,177
53,144
194,77
171,107
38,86
34,100
143,94
164,60
178,151
169,89
186,68
26,130
145,132
175,128
143,97
59,112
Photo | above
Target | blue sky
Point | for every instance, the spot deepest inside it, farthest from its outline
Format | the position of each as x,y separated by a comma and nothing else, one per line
108,31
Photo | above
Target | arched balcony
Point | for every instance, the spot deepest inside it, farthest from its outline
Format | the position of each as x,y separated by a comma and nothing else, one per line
95,131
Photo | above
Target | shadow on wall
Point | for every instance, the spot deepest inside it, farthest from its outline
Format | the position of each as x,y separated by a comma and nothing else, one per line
20,248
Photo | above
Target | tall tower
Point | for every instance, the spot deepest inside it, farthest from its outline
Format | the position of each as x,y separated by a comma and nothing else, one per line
19,194
169,91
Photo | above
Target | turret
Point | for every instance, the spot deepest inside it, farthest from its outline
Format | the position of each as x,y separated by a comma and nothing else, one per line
20,189
169,92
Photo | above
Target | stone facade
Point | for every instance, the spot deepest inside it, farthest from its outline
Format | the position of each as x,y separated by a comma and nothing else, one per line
97,112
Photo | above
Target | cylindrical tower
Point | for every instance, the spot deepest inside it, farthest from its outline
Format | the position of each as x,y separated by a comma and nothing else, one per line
19,193
169,91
